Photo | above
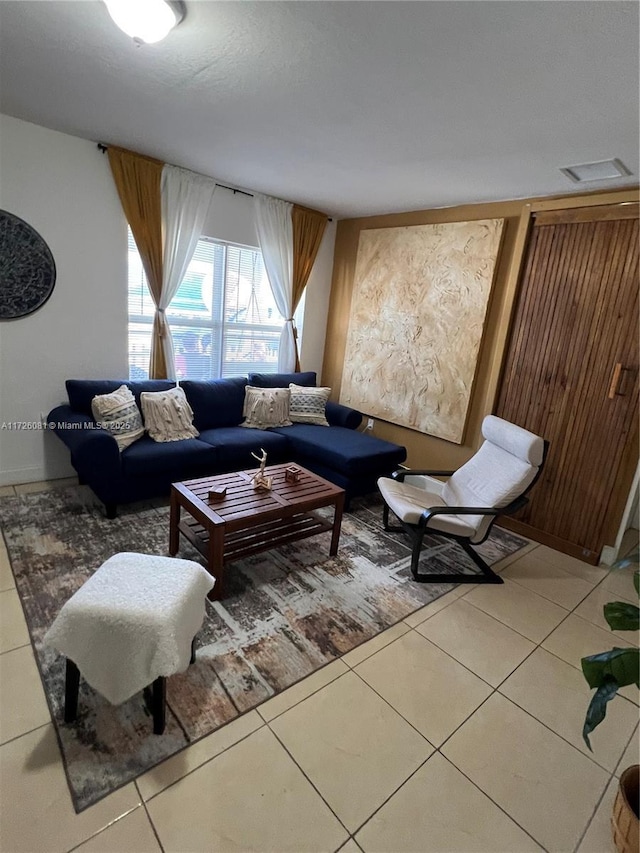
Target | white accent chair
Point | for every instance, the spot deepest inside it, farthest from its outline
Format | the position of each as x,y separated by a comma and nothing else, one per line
493,482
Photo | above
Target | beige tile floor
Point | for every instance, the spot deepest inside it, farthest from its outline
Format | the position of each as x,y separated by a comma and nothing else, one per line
456,730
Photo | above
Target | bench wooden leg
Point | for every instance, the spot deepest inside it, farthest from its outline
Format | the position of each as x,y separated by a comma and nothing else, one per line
71,687
156,695
158,704
157,700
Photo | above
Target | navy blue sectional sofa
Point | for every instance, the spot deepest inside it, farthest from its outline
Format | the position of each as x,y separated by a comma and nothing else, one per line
146,469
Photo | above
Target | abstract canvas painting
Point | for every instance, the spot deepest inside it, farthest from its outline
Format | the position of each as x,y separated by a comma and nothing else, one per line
418,310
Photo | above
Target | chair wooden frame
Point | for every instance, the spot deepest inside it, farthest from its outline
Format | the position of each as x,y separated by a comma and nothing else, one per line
418,531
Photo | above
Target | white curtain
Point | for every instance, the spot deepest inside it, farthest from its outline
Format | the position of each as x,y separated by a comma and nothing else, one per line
275,236
186,198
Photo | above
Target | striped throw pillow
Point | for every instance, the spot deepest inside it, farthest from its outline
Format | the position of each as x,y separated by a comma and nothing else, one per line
119,415
307,405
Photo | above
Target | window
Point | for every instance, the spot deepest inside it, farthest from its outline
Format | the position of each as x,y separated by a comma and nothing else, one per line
223,318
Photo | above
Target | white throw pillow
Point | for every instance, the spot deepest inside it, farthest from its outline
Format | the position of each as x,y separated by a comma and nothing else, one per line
119,415
266,407
167,415
307,405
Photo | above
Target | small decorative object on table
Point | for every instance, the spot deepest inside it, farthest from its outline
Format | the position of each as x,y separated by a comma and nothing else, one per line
292,474
218,494
261,482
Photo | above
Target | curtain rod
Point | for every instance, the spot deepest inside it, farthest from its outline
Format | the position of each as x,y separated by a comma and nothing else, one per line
102,147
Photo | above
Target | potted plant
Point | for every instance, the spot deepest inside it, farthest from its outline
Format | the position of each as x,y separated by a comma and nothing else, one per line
607,672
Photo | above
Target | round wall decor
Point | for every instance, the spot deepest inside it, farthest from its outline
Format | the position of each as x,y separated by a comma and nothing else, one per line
27,268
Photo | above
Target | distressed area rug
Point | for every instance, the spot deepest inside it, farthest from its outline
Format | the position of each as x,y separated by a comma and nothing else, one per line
288,612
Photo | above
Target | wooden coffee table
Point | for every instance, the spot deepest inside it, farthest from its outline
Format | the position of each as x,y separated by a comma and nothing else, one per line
248,521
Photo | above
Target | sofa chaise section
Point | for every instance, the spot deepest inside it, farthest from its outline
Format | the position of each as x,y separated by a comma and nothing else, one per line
348,458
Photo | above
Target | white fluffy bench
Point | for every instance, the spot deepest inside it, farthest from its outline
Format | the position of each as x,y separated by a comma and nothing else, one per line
129,626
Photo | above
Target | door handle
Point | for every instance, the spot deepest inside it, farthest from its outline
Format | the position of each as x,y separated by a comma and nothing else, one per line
614,391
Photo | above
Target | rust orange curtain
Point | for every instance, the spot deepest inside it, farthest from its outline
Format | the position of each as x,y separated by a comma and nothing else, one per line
137,180
308,230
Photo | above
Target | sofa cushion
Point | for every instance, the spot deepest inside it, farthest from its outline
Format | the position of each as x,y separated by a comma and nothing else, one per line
235,446
177,460
343,449
149,386
82,391
282,380
215,402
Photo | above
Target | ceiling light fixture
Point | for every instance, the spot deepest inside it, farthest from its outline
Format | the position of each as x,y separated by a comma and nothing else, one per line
601,171
146,21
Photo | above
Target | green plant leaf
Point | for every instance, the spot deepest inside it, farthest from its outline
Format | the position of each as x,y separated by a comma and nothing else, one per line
620,665
608,671
597,709
622,616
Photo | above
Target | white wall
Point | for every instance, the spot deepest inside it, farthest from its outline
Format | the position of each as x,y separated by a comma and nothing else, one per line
62,186
231,218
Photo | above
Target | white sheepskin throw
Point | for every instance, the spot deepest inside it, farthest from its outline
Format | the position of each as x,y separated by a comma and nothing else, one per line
132,621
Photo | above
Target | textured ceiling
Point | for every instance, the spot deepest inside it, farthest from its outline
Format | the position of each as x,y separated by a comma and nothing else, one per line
351,107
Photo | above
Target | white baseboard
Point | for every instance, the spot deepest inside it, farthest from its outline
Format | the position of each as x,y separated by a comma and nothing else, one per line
608,555
35,474
12,477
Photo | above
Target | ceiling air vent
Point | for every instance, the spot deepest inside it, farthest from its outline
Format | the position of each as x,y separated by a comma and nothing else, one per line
603,170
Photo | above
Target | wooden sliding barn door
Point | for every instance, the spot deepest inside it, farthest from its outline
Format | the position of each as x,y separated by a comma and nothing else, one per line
571,371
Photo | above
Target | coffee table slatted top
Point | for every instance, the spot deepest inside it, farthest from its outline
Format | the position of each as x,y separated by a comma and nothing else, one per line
243,500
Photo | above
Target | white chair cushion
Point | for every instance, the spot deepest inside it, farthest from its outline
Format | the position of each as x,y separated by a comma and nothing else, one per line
491,478
408,502
423,481
516,440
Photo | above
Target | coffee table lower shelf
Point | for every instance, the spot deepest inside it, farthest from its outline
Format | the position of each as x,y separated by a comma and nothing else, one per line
255,540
